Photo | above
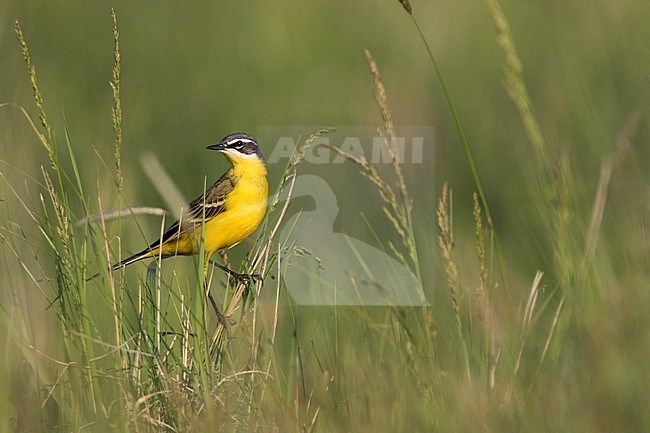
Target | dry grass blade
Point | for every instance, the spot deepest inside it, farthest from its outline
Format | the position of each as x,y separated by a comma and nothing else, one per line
166,186
556,317
114,214
111,278
275,316
528,315
532,300
609,162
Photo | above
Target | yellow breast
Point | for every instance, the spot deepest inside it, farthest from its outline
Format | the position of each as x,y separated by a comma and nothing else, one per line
245,206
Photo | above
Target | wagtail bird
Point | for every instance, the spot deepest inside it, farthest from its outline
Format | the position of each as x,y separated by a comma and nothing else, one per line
228,212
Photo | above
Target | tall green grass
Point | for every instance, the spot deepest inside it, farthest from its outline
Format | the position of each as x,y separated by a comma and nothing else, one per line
141,351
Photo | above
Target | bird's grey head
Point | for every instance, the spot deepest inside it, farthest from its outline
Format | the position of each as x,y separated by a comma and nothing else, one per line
238,144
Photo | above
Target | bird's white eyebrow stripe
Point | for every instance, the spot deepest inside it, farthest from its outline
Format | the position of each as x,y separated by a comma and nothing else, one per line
243,140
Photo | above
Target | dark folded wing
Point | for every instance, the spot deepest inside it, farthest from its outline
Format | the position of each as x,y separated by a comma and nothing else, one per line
203,208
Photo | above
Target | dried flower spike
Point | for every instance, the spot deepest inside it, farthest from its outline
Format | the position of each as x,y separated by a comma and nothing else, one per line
407,6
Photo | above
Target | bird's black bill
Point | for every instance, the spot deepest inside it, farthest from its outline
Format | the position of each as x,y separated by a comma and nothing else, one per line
217,146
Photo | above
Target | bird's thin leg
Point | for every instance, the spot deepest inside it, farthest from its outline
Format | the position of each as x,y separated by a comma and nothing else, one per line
222,319
243,278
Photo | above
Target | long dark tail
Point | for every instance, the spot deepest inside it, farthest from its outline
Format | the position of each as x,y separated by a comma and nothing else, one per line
144,254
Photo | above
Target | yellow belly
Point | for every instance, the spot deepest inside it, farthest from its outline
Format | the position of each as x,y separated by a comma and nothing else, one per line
245,208
233,225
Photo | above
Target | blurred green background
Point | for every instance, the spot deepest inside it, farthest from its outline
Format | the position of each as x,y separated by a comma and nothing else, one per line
193,72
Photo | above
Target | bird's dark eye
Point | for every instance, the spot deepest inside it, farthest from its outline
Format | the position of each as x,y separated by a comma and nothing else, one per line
239,145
